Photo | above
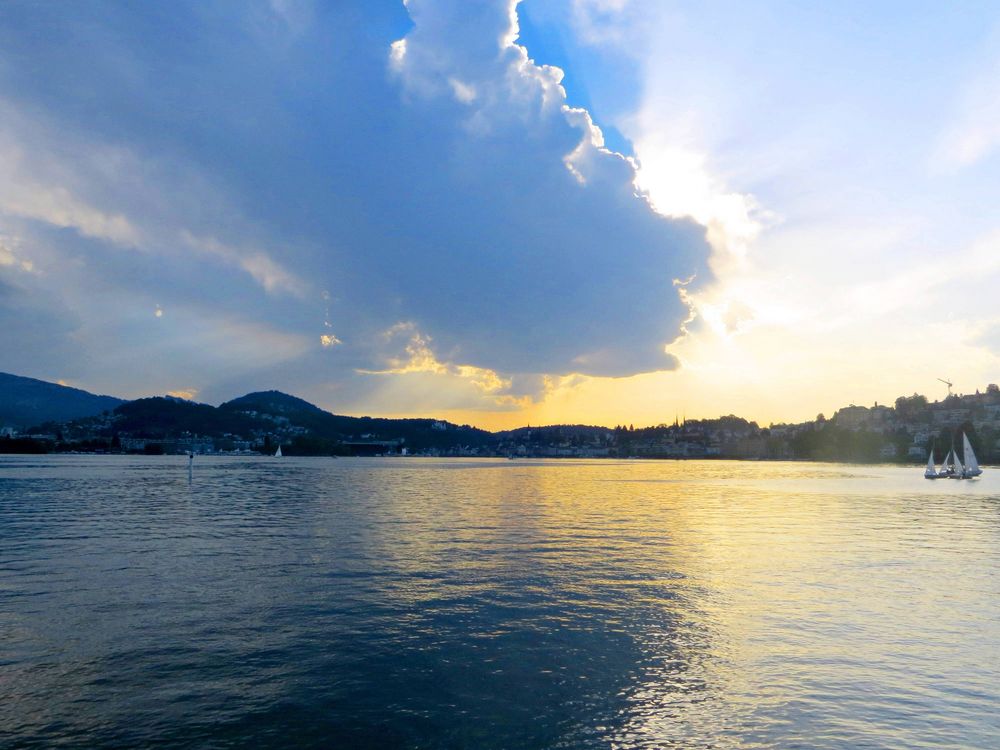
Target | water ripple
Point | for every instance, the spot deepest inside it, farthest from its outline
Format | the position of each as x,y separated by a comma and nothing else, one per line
495,604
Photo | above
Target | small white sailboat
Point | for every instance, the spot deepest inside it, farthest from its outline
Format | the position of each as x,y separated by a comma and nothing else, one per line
955,469
277,453
948,465
971,464
931,471
943,471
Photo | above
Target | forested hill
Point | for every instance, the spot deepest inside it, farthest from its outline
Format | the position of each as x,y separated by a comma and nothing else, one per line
259,421
25,402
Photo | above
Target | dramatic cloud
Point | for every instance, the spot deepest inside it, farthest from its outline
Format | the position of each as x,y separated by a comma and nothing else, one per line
281,173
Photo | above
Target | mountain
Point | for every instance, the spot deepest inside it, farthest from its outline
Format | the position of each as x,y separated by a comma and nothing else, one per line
279,409
163,416
259,421
272,402
258,418
27,402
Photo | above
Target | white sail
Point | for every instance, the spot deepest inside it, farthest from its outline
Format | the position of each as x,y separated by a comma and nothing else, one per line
971,464
931,471
277,453
952,466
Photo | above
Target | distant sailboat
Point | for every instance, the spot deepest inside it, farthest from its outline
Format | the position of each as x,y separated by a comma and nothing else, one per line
277,453
931,471
971,464
948,466
955,469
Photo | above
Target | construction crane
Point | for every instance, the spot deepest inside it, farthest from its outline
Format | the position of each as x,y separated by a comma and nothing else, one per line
947,384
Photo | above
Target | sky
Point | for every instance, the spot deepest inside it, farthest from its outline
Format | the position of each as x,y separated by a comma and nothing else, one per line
558,211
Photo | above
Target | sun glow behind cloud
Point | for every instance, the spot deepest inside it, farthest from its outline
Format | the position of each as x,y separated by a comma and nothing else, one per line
188,394
823,297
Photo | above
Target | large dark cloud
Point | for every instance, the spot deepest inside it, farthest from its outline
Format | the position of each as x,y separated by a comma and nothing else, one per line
244,158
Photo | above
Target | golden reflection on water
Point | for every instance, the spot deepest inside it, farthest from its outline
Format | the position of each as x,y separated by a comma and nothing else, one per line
816,602
515,603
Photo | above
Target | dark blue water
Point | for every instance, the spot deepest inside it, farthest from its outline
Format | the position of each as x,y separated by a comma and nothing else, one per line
495,604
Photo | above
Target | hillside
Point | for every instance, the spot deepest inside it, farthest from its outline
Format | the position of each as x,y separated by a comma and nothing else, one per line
256,421
26,402
161,417
281,410
75,417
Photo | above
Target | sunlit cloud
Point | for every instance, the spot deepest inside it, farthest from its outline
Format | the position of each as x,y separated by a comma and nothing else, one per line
188,394
419,358
417,354
327,340
486,380
679,184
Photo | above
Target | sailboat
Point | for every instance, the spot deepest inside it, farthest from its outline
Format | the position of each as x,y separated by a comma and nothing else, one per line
277,453
931,471
955,469
950,466
971,464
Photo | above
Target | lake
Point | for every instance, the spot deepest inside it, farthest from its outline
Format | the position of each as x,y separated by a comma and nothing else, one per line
460,603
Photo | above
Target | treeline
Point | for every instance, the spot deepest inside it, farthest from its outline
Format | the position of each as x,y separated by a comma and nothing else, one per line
825,441
25,445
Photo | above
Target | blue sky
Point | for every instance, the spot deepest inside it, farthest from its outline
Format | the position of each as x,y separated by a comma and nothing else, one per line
767,208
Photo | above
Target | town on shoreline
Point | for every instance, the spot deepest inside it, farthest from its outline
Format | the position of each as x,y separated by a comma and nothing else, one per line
259,423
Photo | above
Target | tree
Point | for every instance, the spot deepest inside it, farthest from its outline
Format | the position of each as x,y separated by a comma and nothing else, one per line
911,408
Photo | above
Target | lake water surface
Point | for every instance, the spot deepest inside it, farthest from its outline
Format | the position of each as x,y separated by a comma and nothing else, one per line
495,604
